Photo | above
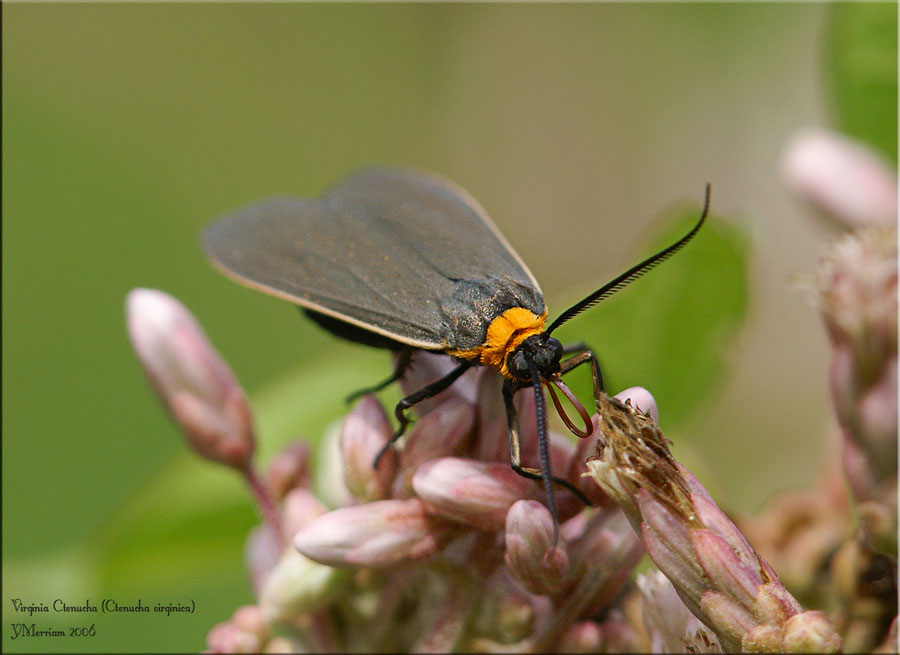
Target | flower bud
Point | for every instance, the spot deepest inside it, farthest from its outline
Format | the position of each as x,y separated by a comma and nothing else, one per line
297,585
857,280
468,491
365,432
246,632
641,399
667,620
810,632
250,618
716,573
330,481
440,432
299,508
191,377
531,554
289,469
841,177
228,638
376,534
263,550
601,560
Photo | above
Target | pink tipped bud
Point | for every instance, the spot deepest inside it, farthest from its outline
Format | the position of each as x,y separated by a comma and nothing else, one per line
841,177
297,585
475,493
299,508
264,548
251,619
641,399
439,433
289,469
228,638
191,377
246,632
601,560
376,534
531,554
365,432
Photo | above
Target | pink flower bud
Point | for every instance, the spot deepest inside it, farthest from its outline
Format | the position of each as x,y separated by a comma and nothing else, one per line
641,399
471,492
531,554
195,382
228,638
246,632
715,571
251,619
299,508
365,432
601,560
440,432
264,548
330,481
289,469
376,534
297,585
841,177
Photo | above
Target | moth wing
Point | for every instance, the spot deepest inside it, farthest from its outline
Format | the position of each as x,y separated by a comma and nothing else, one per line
385,250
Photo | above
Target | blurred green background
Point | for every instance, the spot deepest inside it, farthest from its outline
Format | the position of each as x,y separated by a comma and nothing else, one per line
581,128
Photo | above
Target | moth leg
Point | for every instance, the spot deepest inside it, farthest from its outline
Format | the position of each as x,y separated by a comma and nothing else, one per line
403,359
515,452
585,354
424,393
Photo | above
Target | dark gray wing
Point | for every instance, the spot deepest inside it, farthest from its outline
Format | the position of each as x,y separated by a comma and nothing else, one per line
400,253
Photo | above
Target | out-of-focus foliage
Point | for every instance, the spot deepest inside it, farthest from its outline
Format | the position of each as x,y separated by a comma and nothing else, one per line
861,51
670,330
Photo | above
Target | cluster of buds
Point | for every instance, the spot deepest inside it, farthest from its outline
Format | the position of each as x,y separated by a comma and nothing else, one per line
443,547
858,301
856,293
715,572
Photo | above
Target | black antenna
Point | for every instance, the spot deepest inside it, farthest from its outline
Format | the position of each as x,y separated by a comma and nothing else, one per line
633,273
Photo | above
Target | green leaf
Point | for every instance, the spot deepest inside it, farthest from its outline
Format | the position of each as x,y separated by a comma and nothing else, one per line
861,61
669,330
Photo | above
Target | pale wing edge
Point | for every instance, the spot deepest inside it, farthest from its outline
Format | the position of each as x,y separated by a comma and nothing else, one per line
307,304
